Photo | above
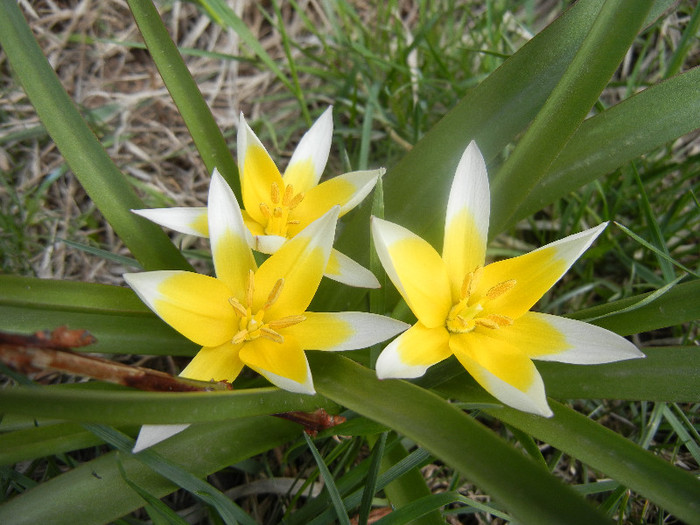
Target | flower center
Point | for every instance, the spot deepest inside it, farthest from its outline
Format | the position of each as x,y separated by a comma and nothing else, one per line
277,210
466,315
253,325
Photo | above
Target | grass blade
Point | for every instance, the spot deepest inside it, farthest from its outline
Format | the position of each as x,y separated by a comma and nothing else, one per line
186,95
337,501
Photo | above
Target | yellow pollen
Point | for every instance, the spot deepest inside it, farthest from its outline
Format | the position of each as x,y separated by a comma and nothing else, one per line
466,314
500,288
276,211
250,325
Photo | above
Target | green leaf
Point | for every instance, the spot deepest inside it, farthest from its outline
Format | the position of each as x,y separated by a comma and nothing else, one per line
601,448
610,139
185,93
529,492
114,315
70,498
46,440
590,69
128,406
104,183
227,509
678,305
371,481
340,511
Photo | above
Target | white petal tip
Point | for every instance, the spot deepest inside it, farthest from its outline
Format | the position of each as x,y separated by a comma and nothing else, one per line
153,434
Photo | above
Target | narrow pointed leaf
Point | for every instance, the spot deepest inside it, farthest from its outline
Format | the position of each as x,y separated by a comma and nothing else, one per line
194,110
590,70
527,490
607,141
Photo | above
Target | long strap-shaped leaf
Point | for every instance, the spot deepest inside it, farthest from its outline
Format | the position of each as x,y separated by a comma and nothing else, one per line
70,498
674,489
529,492
493,113
103,182
602,143
601,52
194,110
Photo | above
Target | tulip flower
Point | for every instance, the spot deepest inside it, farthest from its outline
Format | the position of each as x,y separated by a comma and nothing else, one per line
276,207
250,316
481,313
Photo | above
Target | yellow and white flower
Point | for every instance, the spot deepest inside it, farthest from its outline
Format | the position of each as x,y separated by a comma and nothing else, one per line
255,316
278,207
480,313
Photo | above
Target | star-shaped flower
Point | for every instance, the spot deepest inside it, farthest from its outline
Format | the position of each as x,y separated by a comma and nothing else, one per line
256,316
279,207
480,313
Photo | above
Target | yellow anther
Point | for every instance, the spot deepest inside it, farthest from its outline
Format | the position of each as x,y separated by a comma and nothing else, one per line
285,322
239,337
275,193
293,222
270,334
500,320
295,201
250,288
238,307
274,294
288,194
500,288
265,210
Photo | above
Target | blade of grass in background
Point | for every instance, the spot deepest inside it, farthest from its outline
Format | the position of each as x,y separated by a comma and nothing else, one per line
101,179
183,89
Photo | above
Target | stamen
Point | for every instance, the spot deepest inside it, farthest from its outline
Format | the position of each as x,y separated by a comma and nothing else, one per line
500,320
286,322
275,193
268,333
486,323
265,210
500,288
239,337
240,309
274,294
250,288
466,286
295,201
293,222
288,194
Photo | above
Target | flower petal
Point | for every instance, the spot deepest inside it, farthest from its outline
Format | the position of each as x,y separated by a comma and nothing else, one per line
503,370
283,364
150,435
413,352
300,262
534,273
343,269
230,239
257,171
310,156
195,305
345,190
336,331
467,219
553,338
416,269
215,363
192,221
